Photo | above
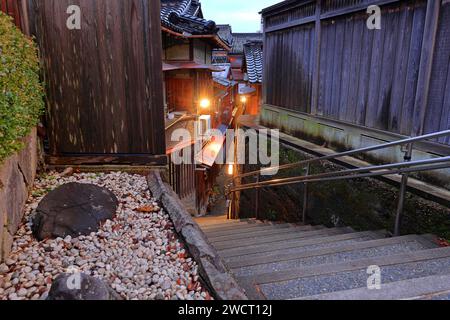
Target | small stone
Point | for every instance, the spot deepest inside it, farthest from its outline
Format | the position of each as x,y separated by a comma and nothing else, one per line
22,292
9,262
3,268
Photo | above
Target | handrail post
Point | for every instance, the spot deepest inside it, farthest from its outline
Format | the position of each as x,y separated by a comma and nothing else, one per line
403,187
305,195
258,177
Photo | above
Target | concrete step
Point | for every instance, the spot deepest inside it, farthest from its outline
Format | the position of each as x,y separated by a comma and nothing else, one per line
426,288
252,234
280,238
298,245
244,229
351,252
310,281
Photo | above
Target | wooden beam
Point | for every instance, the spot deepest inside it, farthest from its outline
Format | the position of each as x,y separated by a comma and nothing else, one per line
356,8
291,24
316,72
113,159
426,66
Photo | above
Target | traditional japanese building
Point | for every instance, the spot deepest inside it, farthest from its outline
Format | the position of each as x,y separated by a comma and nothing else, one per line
253,74
191,100
188,41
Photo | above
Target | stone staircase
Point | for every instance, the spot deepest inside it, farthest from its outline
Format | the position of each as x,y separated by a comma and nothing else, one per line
286,261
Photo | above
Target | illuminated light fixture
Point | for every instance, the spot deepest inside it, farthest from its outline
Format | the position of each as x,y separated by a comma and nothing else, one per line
230,169
243,99
205,103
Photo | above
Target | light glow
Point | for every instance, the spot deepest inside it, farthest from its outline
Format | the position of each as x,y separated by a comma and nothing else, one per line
243,99
230,170
205,103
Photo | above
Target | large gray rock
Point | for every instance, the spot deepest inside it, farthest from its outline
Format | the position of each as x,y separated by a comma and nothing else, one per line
73,209
80,286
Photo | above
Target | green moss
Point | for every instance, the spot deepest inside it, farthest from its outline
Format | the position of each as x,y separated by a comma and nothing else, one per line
21,93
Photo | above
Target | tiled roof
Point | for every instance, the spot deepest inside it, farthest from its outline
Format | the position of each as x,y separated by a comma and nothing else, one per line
226,70
224,82
239,39
225,33
185,16
254,59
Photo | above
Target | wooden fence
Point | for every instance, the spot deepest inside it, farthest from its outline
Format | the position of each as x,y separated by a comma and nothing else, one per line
104,81
396,79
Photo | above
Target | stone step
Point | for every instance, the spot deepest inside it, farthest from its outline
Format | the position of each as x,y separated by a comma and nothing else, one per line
226,223
280,256
242,225
445,296
426,288
351,252
251,234
242,229
309,281
296,245
280,238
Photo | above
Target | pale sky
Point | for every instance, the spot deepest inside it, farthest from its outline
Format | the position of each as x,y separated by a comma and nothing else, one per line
241,14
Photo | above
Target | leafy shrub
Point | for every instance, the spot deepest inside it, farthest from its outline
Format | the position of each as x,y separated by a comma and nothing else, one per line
21,93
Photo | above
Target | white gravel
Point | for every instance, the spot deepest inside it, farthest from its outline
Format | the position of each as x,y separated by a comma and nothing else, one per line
138,253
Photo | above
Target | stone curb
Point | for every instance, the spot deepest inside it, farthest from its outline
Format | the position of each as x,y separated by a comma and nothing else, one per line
222,284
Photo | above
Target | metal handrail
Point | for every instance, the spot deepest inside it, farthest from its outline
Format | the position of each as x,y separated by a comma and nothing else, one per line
402,168
347,153
389,169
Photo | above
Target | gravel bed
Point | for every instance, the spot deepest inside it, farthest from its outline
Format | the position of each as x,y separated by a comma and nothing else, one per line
138,253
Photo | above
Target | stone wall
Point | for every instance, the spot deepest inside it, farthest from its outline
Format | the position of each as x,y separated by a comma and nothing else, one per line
17,174
212,270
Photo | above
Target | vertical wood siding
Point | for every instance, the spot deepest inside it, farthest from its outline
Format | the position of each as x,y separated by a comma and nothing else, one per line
12,8
366,77
104,82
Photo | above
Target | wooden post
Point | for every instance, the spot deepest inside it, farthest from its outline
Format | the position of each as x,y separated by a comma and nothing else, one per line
426,66
316,74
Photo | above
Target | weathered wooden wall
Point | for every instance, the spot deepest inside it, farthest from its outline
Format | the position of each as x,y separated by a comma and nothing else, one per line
104,82
396,79
17,9
12,8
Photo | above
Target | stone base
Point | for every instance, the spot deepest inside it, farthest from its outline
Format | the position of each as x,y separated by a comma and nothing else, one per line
17,174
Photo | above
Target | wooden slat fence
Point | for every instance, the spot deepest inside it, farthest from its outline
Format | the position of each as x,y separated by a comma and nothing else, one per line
104,82
396,79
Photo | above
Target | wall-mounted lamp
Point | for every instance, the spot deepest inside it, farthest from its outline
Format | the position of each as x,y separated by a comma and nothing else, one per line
205,103
230,169
243,99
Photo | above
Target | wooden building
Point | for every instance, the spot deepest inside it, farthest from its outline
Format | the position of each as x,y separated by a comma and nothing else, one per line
104,83
246,61
330,78
188,42
253,75
191,95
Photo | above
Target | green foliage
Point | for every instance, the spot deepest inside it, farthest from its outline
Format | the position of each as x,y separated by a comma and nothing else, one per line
21,93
